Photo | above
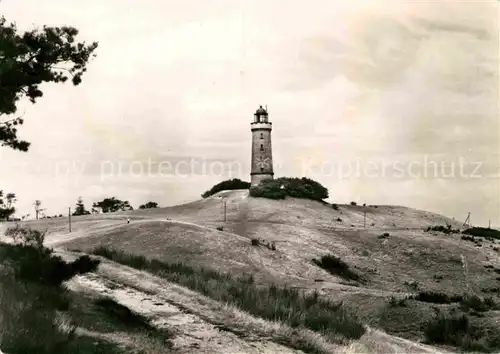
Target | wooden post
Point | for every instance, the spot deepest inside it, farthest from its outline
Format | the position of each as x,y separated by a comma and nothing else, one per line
225,217
69,218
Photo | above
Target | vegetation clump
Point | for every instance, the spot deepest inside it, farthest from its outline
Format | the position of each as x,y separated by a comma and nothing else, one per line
436,297
336,266
149,205
484,232
33,297
230,184
457,330
395,302
445,229
110,205
283,187
384,235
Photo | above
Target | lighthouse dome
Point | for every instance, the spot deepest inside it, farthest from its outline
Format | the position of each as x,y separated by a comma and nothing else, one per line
261,111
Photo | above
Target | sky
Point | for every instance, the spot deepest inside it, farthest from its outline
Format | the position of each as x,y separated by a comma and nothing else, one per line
383,102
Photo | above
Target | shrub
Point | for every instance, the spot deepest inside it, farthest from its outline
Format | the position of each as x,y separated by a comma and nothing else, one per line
220,228
270,189
448,330
255,242
457,330
230,184
478,304
336,266
394,302
26,236
445,229
339,219
39,265
436,298
483,232
468,238
293,187
354,203
413,284
32,298
270,302
384,235
335,206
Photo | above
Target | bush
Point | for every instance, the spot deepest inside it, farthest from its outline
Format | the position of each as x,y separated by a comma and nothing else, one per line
468,238
478,304
457,330
394,302
448,330
293,187
220,228
26,236
255,242
32,298
335,207
445,229
39,265
354,203
336,266
384,235
230,184
483,232
436,298
270,302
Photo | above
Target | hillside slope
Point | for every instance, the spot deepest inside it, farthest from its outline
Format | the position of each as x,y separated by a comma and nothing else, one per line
405,262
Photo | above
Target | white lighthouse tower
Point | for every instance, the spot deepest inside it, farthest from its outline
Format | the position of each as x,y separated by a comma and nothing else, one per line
262,156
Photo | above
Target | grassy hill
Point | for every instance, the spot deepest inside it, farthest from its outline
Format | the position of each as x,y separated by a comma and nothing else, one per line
393,257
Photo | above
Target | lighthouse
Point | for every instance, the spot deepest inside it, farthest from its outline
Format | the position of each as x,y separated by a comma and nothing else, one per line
262,157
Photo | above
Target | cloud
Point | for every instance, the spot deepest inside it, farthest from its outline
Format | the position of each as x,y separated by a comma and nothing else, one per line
477,32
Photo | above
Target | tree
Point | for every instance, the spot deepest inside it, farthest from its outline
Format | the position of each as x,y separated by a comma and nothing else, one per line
109,205
27,60
230,184
80,208
149,205
6,205
282,187
38,208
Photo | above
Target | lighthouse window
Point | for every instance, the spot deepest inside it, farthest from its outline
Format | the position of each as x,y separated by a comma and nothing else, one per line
262,135
261,147
262,169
